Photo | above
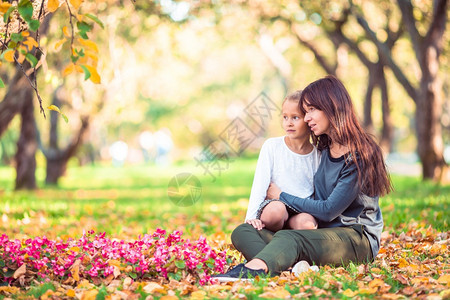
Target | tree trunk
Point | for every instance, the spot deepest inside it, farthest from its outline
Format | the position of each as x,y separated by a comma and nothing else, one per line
430,145
14,99
387,131
57,158
27,144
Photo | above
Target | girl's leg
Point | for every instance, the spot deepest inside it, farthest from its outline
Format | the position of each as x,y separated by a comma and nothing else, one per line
302,221
250,241
274,216
335,246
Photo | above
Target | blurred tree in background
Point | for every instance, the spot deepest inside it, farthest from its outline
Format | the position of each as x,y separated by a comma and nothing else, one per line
188,68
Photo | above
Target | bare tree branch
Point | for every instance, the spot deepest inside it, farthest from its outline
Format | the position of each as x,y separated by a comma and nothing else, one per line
330,69
410,23
437,26
385,52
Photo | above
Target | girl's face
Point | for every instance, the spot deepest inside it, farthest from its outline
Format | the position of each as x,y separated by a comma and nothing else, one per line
316,120
293,122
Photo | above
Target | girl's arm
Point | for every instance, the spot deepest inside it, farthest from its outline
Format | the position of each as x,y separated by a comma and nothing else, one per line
261,181
344,193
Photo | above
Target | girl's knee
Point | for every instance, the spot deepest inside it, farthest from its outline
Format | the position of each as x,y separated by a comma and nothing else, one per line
274,211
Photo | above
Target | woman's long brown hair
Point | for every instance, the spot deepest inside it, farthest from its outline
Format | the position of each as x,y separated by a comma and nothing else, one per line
330,96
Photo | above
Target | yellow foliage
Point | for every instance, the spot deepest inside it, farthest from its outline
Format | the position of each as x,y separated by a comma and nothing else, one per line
54,107
76,3
31,42
444,279
402,263
95,77
52,5
89,295
70,293
4,6
9,55
59,44
79,69
68,70
89,44
349,293
369,291
9,289
25,33
65,30
198,295
75,270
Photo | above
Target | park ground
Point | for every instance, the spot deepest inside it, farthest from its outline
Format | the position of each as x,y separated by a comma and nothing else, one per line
128,202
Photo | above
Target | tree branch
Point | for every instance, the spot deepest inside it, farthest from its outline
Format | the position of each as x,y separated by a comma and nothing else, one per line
320,58
437,26
410,23
385,52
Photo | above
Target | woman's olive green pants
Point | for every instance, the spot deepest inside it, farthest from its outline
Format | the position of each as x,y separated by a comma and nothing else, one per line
281,250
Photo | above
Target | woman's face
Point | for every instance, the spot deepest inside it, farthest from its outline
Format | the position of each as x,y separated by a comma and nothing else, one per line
316,120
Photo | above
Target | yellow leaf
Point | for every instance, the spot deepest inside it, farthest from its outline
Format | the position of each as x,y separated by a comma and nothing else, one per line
54,107
95,77
402,263
349,293
75,270
420,280
75,249
76,3
59,44
153,287
368,291
9,289
31,42
9,55
444,279
20,271
376,283
91,55
52,5
70,293
68,70
89,295
25,33
66,31
113,262
4,6
89,44
198,295
79,17
167,297
85,285
79,69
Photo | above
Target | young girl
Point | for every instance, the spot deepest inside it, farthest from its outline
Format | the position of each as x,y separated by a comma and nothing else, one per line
289,161
350,178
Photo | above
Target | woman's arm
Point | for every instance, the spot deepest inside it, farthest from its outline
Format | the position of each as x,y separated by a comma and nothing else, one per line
344,193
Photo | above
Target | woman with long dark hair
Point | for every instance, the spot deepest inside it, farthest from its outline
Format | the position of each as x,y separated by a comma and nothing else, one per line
351,177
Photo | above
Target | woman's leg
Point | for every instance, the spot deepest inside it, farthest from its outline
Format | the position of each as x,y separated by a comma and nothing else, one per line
250,241
335,246
274,216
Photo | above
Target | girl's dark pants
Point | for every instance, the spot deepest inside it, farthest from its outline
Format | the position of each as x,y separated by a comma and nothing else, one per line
281,250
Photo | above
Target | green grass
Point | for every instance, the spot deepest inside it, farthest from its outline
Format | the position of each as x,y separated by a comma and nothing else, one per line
134,200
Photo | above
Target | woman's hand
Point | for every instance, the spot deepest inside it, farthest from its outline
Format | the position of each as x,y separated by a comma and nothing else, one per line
258,224
273,192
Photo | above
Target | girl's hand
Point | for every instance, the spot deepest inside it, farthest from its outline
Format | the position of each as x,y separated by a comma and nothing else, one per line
273,192
258,224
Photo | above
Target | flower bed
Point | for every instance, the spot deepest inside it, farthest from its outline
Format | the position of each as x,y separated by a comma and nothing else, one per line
96,257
